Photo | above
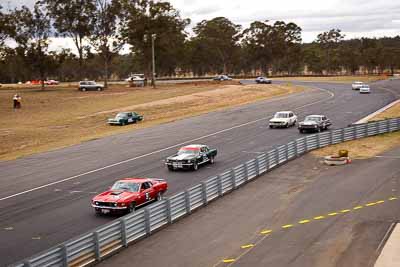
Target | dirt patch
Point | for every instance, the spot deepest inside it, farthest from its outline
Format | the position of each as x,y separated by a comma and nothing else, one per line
64,116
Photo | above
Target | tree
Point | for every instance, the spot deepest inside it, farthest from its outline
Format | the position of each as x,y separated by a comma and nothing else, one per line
106,38
275,46
329,42
73,18
218,40
32,33
142,19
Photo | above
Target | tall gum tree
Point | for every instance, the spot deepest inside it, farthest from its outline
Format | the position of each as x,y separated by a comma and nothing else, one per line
72,18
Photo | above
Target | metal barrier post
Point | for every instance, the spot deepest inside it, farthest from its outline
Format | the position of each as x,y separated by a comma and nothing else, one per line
147,221
305,145
123,232
258,166
296,153
63,249
96,246
318,140
286,152
233,177
187,201
388,126
276,156
246,172
366,129
342,134
219,183
169,213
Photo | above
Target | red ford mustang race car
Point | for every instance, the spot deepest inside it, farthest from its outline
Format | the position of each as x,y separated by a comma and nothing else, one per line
128,194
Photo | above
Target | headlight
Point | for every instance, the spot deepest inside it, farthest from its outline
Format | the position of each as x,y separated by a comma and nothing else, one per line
96,203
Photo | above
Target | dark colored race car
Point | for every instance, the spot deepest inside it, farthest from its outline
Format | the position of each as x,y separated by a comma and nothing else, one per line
315,123
124,118
191,157
128,194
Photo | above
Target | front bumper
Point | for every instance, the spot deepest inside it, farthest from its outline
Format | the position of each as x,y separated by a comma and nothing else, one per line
277,124
114,122
108,207
179,165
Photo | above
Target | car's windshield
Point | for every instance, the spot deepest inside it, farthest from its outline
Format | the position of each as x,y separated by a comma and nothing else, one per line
312,118
188,151
121,115
91,83
126,186
281,115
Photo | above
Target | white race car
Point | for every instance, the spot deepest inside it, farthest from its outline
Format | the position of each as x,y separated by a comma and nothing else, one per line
283,119
356,85
364,89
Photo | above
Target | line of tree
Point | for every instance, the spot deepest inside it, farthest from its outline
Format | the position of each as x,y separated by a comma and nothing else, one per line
100,29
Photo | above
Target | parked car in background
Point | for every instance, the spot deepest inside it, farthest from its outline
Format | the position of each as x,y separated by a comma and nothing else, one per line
222,78
356,85
134,78
90,86
283,119
263,80
364,89
316,123
51,82
123,118
128,194
191,157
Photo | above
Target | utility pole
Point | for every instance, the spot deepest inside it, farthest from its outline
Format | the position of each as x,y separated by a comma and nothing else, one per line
153,77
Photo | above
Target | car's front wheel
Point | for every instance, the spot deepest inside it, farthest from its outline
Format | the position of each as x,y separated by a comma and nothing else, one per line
98,88
83,89
195,166
170,168
159,196
131,207
211,160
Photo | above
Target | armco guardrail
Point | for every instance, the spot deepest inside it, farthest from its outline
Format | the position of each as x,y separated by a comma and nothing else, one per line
93,247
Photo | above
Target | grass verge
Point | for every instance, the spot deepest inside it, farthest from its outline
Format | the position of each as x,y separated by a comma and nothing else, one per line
371,146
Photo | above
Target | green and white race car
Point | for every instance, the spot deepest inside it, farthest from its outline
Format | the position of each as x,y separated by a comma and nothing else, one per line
124,118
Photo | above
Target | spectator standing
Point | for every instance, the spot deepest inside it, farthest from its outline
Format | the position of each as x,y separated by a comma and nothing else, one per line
17,101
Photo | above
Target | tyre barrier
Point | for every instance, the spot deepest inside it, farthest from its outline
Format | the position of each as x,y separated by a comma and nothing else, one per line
336,160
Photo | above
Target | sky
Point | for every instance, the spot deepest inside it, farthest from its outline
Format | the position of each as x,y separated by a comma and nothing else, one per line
356,18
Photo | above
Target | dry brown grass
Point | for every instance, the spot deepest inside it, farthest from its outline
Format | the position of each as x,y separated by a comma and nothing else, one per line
336,79
371,146
62,116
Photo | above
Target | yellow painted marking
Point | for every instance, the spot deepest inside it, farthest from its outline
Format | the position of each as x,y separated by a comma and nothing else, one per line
287,226
393,198
370,204
228,260
319,218
265,232
304,221
333,214
248,246
380,202
344,211
358,207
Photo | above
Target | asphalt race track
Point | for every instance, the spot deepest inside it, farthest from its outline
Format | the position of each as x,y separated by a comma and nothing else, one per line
45,198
